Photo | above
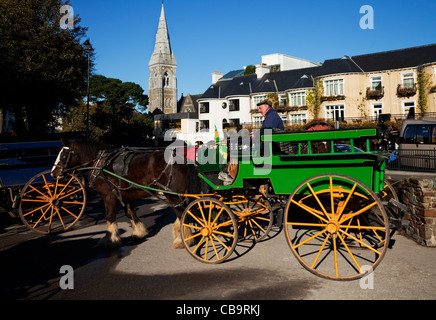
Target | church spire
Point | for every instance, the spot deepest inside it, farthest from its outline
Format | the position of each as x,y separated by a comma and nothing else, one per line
162,88
162,53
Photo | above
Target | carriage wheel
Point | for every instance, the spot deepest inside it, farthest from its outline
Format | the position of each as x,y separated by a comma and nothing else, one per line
254,215
49,204
388,191
336,227
209,230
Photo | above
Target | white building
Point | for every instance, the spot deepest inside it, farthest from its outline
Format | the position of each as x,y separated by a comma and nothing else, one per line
232,99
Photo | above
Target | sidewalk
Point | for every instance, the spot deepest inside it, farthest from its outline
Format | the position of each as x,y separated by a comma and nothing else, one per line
397,174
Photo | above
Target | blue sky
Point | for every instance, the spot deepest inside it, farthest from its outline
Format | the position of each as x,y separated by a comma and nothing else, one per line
225,35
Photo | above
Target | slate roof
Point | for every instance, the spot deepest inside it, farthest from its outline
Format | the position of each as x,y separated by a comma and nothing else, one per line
397,59
235,84
270,82
336,66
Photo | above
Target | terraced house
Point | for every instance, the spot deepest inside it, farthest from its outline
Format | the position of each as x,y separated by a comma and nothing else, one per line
391,84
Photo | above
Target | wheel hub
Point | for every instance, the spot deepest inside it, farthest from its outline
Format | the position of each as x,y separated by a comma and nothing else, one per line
206,231
55,202
333,227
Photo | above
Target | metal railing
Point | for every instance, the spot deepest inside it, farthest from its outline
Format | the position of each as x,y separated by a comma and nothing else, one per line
413,160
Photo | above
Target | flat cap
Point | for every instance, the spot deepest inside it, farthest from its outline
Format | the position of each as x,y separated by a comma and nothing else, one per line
265,102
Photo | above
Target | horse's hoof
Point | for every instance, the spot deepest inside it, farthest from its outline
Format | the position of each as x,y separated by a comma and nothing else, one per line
178,244
109,242
139,231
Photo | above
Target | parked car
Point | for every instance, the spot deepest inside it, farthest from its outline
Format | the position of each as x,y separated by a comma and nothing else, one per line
344,148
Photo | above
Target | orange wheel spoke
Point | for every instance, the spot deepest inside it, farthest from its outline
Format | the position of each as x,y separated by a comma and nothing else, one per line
358,212
68,183
33,188
69,194
222,243
47,185
361,242
306,208
311,238
320,250
40,208
317,199
349,252
69,212
192,215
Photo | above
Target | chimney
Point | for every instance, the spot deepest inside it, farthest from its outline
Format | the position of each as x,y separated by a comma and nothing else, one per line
216,76
261,70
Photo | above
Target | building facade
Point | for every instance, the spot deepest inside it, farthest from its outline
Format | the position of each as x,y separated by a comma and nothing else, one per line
163,80
389,84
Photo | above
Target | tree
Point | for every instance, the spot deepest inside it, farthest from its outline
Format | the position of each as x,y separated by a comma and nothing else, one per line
43,68
313,99
249,70
117,117
424,85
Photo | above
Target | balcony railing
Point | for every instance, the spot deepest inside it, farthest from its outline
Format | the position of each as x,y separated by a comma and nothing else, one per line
375,94
406,91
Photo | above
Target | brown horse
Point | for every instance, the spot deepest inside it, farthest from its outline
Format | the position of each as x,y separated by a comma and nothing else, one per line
143,168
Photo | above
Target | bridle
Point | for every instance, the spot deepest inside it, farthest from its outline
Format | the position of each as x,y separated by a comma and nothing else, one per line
66,159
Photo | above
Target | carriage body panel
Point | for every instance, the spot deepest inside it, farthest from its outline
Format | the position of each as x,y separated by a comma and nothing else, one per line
304,155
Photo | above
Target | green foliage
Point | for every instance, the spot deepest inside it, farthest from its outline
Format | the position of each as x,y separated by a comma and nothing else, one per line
117,118
313,99
249,70
424,85
43,68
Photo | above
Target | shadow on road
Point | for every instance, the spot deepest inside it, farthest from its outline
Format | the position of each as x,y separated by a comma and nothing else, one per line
30,269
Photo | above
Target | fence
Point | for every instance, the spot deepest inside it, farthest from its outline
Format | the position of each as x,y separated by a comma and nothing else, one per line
413,160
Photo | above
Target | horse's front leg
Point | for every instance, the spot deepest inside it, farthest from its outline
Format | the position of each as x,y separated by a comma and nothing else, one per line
112,237
139,230
178,243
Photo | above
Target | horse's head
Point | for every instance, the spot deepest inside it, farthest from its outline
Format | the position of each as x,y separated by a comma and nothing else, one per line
66,159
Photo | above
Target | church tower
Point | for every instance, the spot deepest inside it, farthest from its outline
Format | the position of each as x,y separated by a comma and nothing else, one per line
162,85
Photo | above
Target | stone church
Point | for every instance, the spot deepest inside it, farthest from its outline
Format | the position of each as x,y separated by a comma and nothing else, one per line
163,81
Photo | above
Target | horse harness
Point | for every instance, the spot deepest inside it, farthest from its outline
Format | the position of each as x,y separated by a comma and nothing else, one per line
120,160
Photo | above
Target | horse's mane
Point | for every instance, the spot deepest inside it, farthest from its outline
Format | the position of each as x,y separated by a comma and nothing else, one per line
87,147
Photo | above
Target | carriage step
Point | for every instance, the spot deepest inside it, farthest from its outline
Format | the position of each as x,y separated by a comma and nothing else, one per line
278,218
396,204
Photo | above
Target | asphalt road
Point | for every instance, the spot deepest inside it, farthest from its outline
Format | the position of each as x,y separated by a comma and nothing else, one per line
152,270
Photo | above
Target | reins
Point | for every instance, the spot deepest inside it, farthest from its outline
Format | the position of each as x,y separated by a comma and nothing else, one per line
116,189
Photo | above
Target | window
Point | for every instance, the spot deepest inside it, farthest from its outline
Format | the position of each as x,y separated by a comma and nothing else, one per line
376,83
234,123
336,113
204,107
298,99
422,133
204,125
377,110
297,118
282,100
274,68
334,87
165,80
284,118
408,135
257,99
408,81
258,120
407,106
234,105
419,134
